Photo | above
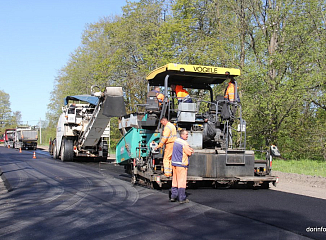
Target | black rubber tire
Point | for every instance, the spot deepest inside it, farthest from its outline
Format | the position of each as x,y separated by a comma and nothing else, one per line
55,151
67,150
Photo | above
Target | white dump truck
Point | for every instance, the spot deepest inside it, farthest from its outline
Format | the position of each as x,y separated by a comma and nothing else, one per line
25,138
84,123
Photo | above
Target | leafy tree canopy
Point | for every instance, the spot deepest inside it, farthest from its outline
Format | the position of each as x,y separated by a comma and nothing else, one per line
278,45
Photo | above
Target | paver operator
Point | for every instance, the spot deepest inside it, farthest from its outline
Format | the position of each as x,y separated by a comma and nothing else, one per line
182,94
231,92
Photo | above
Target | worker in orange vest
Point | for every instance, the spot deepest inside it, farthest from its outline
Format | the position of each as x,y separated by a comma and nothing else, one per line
180,163
182,94
168,137
231,91
159,95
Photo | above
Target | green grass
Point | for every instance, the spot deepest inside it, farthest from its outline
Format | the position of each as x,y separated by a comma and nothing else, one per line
306,167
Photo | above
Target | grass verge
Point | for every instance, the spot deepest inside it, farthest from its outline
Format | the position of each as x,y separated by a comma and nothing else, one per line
306,167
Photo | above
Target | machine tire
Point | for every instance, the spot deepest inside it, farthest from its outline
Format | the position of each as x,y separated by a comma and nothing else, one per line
67,150
55,151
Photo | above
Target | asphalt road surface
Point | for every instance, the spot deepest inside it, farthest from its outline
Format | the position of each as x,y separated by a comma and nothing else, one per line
77,200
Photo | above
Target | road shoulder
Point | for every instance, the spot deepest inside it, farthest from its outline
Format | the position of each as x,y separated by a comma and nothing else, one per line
311,186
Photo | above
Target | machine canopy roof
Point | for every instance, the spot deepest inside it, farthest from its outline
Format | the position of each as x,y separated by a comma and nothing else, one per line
84,98
191,76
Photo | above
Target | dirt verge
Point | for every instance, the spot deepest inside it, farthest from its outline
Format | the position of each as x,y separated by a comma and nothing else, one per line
312,186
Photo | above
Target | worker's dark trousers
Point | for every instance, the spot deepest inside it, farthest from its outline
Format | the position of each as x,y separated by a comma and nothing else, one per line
178,192
179,183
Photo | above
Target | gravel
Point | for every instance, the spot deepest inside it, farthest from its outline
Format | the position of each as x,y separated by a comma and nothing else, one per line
311,186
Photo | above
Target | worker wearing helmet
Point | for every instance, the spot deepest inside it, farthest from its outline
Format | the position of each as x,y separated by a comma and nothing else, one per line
180,163
168,137
182,94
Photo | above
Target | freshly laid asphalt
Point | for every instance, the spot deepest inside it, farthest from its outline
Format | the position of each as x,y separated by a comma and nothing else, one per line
55,200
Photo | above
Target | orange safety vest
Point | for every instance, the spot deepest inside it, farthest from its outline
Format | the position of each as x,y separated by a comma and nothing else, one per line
169,134
181,93
230,92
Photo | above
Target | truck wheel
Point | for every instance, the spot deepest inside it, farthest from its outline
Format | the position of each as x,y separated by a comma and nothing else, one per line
55,151
67,150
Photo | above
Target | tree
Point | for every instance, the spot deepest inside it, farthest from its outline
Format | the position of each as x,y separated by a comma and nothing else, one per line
16,118
278,67
278,45
5,111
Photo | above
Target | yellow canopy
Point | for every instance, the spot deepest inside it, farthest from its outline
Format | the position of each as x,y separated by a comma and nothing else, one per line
196,76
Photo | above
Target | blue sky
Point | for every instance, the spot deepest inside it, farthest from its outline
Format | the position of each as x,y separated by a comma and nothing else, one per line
36,40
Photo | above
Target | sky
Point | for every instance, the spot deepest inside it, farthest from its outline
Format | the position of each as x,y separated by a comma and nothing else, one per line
36,40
